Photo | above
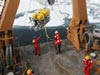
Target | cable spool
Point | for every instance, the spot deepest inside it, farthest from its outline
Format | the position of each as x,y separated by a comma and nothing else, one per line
51,2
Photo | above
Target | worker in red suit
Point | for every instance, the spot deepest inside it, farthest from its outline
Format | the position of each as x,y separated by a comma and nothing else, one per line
58,42
87,61
35,42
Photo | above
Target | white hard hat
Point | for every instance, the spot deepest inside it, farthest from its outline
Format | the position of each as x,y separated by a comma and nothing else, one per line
56,32
93,55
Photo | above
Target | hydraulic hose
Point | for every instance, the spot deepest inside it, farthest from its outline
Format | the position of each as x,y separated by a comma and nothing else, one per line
90,41
9,55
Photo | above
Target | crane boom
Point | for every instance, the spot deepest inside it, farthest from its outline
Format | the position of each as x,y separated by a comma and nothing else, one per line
7,16
78,21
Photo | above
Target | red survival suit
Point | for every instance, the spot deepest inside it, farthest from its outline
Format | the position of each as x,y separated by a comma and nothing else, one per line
58,40
36,45
87,66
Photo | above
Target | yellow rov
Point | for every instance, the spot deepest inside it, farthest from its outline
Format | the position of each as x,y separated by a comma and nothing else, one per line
40,18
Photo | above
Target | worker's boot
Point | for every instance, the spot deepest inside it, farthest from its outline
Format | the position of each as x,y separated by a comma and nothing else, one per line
39,54
57,52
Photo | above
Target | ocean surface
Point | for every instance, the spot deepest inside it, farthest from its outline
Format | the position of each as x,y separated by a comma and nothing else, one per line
23,35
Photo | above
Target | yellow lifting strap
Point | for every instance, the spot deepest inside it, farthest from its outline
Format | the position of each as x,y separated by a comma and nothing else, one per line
25,68
46,33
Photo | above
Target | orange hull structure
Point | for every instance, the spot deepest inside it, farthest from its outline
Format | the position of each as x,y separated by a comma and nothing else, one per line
75,29
6,34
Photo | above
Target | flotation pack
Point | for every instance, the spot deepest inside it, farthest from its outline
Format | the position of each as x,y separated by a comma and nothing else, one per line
40,16
44,11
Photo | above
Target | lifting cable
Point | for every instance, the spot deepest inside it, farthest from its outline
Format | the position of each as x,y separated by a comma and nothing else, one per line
46,33
47,36
56,12
27,12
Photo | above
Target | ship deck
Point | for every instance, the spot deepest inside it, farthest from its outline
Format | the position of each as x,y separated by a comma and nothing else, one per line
69,62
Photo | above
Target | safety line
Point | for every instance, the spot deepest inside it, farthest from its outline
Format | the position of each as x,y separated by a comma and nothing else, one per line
25,69
46,33
62,66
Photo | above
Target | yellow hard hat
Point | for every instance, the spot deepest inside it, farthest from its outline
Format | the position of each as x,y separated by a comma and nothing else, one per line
29,71
87,57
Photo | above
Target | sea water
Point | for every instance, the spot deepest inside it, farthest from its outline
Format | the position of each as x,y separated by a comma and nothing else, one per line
23,35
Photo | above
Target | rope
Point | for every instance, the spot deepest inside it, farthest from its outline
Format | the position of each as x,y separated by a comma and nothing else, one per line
25,68
46,33
62,66
47,36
